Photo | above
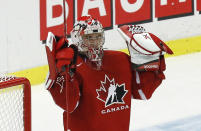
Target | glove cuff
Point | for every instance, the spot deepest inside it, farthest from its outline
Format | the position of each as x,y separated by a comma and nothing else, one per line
149,66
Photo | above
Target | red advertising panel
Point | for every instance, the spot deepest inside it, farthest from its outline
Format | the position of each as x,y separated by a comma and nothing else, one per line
199,5
131,11
52,19
168,8
99,9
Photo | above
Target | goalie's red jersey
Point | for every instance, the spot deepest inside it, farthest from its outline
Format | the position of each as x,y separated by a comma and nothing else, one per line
105,95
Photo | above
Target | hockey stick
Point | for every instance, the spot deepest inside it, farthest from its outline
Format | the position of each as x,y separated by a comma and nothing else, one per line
70,69
66,73
64,11
50,50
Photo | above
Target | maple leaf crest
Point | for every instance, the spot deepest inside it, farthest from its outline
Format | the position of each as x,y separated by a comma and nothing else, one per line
146,36
111,93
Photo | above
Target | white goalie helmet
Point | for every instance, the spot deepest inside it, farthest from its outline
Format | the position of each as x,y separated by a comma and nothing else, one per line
88,35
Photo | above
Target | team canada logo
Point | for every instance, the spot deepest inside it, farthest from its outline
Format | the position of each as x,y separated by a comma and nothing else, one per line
110,92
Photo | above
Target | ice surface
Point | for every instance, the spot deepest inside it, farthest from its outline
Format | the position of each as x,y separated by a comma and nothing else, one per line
188,124
175,106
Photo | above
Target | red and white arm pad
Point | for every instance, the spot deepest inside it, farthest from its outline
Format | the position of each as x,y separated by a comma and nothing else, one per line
58,92
147,59
146,82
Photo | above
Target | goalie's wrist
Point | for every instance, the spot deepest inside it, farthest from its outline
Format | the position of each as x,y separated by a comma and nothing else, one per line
149,66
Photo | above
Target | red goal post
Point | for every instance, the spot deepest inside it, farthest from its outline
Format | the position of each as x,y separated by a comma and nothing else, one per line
15,104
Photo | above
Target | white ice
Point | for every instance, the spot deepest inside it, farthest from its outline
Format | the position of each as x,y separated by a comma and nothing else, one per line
174,104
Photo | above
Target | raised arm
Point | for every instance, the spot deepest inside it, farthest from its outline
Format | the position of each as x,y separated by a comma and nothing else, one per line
147,59
60,56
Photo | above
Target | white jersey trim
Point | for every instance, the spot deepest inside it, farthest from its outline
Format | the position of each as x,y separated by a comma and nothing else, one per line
137,78
142,95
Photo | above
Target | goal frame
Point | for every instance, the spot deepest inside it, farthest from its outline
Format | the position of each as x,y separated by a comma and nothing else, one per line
26,99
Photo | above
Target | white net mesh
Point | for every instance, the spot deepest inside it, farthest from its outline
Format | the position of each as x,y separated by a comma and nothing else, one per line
6,78
11,106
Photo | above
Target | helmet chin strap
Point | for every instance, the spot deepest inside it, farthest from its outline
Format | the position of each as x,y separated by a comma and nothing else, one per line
96,64
95,57
99,64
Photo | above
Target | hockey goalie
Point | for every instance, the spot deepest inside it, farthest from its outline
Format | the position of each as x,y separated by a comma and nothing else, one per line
95,86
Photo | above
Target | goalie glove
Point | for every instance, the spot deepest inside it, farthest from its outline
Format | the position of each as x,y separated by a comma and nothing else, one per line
145,48
59,55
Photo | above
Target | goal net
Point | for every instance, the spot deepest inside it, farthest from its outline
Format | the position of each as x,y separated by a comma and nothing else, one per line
15,104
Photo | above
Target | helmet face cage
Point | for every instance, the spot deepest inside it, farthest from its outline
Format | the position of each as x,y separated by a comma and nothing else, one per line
88,35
